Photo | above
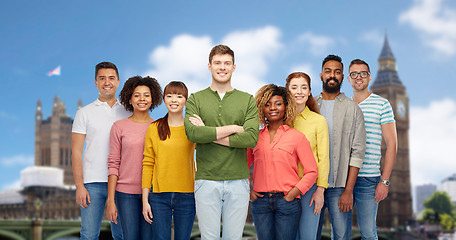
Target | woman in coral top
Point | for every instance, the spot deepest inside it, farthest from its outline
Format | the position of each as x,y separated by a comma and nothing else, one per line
276,185
313,125
168,168
139,95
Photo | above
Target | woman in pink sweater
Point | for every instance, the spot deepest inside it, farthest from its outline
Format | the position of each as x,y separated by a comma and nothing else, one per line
139,95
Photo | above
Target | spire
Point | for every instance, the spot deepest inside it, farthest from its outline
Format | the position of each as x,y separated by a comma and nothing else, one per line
387,70
386,51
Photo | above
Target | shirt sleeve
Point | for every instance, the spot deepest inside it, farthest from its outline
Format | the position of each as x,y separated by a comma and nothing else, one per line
80,122
322,153
306,158
149,157
386,115
197,134
248,138
359,140
115,146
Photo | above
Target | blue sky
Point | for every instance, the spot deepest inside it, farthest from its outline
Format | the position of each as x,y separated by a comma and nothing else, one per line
171,40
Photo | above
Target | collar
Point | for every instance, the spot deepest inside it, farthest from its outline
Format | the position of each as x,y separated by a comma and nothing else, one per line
339,97
99,103
226,93
282,128
305,113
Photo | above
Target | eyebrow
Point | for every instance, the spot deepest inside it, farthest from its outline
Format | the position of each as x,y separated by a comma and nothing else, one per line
335,69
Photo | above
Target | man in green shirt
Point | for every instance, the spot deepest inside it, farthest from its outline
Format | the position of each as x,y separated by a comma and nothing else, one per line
223,122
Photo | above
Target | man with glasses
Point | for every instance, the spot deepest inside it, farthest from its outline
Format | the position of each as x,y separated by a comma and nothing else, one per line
371,185
347,144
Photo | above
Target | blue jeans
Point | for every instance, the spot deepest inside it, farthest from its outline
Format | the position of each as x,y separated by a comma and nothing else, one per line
129,209
308,224
169,206
366,207
276,218
92,215
228,199
341,222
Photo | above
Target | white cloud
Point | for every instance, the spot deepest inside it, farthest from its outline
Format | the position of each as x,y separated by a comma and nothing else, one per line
253,49
432,141
17,160
318,45
315,82
7,116
12,185
374,37
436,22
186,58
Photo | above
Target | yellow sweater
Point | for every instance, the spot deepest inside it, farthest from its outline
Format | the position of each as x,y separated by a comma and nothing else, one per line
168,165
314,126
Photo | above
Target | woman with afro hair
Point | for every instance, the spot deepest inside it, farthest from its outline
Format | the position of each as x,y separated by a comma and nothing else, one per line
140,95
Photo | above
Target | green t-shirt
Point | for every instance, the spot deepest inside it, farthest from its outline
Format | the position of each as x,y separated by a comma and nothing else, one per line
213,161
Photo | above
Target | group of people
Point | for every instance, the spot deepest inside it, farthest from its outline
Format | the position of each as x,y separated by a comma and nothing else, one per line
310,154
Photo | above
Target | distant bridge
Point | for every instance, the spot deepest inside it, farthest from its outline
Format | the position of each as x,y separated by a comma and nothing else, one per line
54,229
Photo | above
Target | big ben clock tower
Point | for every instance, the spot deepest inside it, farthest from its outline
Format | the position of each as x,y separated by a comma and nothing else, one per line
396,209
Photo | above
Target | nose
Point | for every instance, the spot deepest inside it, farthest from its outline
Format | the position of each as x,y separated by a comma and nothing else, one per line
272,107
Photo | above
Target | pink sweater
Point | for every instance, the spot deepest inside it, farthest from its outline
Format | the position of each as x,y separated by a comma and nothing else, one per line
126,146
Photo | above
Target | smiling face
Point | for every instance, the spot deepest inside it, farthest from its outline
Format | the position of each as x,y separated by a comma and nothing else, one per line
332,76
175,102
222,67
299,88
274,110
141,99
107,83
359,83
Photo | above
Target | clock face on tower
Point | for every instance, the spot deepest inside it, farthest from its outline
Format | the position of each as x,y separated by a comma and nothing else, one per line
401,109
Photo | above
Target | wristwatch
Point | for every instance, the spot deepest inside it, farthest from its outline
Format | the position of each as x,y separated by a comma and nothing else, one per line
386,182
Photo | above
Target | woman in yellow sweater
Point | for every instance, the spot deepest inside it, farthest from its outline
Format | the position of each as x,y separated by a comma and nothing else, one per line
314,126
169,169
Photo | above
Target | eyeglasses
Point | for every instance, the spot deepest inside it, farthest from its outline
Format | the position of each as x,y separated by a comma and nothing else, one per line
362,74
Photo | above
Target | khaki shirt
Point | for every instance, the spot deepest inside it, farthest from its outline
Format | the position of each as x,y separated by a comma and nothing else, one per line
349,137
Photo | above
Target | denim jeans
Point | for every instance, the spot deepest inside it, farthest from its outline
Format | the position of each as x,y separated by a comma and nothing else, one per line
92,215
366,207
276,218
308,224
228,199
172,206
129,209
341,222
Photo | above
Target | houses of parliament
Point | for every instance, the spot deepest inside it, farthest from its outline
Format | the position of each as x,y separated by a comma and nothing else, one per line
53,149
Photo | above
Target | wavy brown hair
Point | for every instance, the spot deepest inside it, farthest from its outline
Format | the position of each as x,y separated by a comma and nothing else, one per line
311,103
266,93
174,87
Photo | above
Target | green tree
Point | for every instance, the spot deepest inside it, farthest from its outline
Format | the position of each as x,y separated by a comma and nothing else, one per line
446,221
429,216
441,203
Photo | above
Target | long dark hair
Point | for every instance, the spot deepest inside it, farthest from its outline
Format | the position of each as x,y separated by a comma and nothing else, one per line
174,87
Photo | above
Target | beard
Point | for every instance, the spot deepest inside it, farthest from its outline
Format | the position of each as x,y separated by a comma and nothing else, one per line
331,89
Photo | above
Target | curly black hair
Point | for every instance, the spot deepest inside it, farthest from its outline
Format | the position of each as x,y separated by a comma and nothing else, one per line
133,82
332,57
